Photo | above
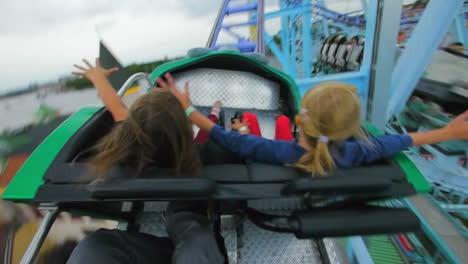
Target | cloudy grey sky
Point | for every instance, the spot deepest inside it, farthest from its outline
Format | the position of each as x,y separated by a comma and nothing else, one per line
41,39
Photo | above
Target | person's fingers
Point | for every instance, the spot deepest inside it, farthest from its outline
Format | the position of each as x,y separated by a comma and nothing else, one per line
462,117
161,83
186,88
80,67
170,80
98,63
112,70
78,73
87,63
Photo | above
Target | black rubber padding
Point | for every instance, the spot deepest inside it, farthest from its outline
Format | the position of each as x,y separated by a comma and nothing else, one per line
364,220
355,180
342,185
158,188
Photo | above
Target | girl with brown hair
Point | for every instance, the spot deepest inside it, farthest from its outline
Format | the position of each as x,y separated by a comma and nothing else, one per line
154,133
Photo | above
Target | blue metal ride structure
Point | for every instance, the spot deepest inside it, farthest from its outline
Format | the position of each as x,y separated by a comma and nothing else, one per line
384,82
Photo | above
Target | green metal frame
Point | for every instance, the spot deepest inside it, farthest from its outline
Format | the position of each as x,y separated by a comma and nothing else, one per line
24,185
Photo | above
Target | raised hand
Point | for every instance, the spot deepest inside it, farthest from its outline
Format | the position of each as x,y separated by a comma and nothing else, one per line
237,125
183,97
458,128
93,72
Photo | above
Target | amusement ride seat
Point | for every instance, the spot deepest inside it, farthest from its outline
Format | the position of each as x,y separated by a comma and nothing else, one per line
57,176
354,58
331,55
342,54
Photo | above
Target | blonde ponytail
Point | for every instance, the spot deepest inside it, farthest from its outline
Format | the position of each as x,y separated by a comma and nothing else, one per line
323,161
320,162
330,112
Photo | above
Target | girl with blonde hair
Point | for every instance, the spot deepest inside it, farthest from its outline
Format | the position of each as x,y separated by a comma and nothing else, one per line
330,116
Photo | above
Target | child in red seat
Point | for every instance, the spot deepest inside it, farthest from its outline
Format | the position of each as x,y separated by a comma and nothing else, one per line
249,125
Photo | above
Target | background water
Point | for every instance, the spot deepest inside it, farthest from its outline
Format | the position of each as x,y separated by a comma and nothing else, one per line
18,111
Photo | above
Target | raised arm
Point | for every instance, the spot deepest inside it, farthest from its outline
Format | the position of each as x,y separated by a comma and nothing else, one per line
455,130
98,76
359,153
198,119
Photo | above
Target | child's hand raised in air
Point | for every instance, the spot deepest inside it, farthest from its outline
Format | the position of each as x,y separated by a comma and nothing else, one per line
183,97
93,72
241,126
458,128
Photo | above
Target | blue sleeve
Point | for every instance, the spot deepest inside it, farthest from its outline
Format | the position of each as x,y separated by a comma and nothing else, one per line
353,153
257,148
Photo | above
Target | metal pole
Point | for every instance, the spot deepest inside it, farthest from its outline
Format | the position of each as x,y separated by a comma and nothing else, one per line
384,52
217,25
260,26
40,236
462,32
306,40
292,48
130,81
360,250
284,32
326,32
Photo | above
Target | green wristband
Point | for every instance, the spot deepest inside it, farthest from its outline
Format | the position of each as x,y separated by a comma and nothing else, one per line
190,110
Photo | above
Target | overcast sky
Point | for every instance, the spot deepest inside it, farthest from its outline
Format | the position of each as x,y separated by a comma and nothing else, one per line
41,39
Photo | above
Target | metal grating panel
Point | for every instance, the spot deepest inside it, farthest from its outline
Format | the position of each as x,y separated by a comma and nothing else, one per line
260,246
235,89
253,245
152,223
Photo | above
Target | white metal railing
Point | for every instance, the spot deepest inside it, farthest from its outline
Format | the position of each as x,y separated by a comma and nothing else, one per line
131,80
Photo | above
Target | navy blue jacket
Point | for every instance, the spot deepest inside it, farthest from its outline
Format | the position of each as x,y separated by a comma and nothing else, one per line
347,154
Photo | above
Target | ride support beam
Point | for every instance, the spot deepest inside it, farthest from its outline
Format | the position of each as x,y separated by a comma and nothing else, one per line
242,8
428,33
325,30
40,236
357,251
462,32
260,5
217,25
383,59
249,23
306,43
